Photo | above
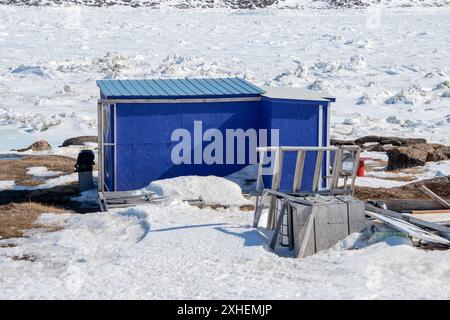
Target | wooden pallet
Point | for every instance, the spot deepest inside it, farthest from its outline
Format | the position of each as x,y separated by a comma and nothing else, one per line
337,171
124,199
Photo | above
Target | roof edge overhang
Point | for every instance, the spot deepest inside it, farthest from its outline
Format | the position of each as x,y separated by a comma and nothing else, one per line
303,101
177,100
303,95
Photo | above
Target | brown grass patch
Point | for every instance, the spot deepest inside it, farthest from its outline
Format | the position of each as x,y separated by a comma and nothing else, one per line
17,169
440,186
399,178
17,217
408,174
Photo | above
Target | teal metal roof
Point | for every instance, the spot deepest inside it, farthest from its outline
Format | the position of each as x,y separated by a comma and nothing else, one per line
178,88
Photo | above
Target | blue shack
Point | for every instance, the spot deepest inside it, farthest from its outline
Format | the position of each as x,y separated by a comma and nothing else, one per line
156,129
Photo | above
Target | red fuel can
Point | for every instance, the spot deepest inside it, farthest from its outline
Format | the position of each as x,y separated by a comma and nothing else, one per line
361,171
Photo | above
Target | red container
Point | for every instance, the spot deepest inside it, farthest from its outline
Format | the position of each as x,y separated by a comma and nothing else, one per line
361,172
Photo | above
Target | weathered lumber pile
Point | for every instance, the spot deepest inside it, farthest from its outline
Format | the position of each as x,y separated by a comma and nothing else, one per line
431,226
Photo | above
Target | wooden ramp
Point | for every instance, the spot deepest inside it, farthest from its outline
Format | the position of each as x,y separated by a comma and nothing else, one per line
124,199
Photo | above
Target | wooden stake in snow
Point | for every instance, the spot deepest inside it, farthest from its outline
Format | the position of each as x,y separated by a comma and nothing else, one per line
434,196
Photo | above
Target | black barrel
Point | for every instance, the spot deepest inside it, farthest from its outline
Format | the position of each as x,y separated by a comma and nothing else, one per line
85,161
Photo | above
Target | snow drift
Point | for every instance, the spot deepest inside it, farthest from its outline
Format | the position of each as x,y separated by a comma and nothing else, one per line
211,189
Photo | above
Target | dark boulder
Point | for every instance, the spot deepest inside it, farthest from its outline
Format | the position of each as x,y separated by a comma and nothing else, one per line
367,139
416,155
79,141
395,141
40,145
339,142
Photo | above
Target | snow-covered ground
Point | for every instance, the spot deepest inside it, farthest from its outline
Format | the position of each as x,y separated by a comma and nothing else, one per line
388,68
176,251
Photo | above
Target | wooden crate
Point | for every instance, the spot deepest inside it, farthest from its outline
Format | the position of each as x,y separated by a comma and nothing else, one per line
335,218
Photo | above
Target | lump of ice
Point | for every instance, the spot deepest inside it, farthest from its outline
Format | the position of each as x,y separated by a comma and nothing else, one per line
319,85
351,121
357,62
404,96
364,99
393,120
39,71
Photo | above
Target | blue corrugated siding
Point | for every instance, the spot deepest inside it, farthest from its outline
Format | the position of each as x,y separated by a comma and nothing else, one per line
144,151
177,88
298,125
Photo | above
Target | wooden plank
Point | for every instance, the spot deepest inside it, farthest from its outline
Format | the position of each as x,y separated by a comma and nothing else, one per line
300,216
277,229
443,218
308,230
412,204
387,212
260,170
336,170
298,175
430,211
121,205
115,201
317,171
101,202
355,169
126,198
128,193
411,229
276,180
259,207
441,229
434,196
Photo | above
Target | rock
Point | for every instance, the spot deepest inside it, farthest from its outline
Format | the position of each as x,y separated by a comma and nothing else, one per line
416,155
79,141
401,141
40,145
440,153
339,142
395,141
367,139
377,148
